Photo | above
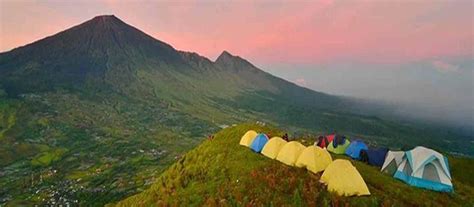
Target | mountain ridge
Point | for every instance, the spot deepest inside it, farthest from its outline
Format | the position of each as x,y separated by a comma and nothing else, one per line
227,60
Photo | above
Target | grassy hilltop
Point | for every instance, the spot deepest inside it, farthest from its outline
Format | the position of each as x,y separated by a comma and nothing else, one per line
221,172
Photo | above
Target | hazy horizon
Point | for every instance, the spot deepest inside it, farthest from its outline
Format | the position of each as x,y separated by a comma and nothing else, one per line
415,53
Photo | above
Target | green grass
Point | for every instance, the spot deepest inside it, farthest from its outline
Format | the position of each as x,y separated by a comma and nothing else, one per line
7,117
220,172
46,158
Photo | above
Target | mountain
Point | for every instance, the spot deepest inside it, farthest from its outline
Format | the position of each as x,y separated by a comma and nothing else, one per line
95,113
220,172
86,52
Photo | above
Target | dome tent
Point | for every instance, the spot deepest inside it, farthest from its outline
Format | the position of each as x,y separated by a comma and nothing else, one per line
273,147
314,159
248,138
353,150
393,159
425,168
338,145
344,179
259,142
290,152
374,156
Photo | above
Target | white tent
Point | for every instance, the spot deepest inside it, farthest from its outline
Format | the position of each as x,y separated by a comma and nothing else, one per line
392,161
425,168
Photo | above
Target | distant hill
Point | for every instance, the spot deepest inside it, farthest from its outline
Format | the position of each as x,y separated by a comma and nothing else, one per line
221,172
84,109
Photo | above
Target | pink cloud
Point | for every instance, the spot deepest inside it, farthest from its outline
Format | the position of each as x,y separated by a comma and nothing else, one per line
23,22
274,31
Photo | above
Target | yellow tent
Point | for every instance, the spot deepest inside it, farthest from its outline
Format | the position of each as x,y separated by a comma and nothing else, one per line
290,152
314,159
344,179
273,147
248,138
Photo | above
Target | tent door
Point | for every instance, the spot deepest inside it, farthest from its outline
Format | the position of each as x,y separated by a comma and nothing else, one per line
391,167
430,173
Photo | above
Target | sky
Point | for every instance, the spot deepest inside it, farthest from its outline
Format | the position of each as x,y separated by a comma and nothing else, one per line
418,52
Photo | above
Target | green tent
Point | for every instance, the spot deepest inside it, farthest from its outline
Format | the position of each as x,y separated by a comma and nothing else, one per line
339,149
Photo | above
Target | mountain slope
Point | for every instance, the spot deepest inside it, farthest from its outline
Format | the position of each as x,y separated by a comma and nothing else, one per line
105,50
97,50
105,54
221,172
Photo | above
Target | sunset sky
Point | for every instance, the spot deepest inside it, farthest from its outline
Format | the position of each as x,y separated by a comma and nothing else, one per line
410,51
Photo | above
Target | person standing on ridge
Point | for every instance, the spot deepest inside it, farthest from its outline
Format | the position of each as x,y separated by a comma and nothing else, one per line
285,137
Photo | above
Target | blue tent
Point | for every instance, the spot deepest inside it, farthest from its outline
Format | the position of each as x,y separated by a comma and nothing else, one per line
354,149
375,157
259,142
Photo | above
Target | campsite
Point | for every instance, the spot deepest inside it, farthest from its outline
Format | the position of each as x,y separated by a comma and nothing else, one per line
236,175
419,167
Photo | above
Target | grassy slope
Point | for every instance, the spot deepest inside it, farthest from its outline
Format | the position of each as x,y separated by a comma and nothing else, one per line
221,172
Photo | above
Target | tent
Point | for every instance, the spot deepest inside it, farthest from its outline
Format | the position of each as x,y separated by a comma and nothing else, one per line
248,137
314,159
353,150
393,159
425,168
259,142
375,157
338,145
344,179
290,152
330,137
273,147
323,141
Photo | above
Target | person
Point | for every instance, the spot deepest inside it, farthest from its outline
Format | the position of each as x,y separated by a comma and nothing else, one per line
338,140
364,157
322,142
285,137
